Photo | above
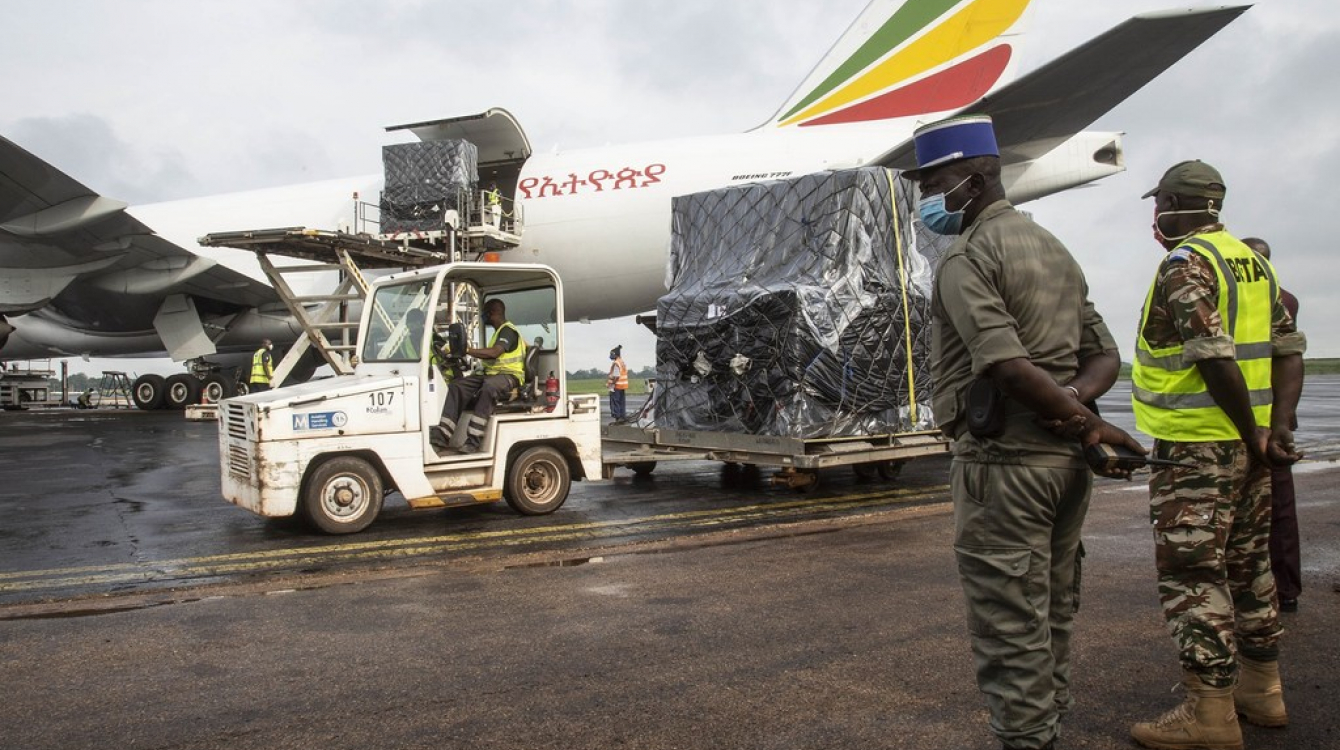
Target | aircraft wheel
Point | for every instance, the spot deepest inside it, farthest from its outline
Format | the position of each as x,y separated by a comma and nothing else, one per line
342,495
148,392
182,391
537,481
215,388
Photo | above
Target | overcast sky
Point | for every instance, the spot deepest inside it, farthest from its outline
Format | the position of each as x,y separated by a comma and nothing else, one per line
148,100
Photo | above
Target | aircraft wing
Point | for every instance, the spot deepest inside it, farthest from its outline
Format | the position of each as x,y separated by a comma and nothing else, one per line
62,242
1046,107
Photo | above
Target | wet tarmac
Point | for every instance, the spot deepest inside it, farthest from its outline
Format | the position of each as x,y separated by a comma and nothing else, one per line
138,609
110,503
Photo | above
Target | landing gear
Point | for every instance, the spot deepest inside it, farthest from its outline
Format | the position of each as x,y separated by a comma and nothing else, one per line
149,392
215,388
183,390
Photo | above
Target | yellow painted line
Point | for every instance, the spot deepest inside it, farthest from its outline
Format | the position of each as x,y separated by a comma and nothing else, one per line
446,538
217,565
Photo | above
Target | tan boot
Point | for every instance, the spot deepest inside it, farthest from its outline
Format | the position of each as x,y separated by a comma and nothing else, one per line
1206,720
1259,696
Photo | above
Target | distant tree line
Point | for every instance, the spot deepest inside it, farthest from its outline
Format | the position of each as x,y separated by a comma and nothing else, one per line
78,382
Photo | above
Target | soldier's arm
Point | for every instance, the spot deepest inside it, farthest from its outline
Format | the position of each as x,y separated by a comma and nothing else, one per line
1031,386
1097,373
1192,290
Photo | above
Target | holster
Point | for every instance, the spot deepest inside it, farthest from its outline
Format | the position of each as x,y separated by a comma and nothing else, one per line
986,409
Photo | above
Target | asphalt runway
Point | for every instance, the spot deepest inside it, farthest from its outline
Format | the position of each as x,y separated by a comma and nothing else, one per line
138,609
110,503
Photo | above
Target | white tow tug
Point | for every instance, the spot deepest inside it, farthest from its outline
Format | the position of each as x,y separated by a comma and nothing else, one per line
330,450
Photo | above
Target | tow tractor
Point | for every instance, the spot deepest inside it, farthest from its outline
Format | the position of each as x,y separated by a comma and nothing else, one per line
330,450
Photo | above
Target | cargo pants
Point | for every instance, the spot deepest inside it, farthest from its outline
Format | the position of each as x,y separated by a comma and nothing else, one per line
1017,541
1212,550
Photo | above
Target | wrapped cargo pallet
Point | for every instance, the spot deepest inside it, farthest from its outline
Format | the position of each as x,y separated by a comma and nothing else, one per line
423,181
798,308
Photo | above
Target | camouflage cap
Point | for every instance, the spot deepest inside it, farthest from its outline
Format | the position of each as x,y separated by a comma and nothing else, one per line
1192,178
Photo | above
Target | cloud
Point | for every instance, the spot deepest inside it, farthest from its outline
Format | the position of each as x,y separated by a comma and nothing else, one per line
85,147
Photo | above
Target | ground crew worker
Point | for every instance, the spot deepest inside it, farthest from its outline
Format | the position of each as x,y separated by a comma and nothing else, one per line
617,383
493,204
1215,349
1285,560
504,361
1013,323
414,322
262,368
85,400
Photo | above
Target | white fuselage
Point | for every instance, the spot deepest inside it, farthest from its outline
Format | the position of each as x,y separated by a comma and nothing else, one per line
600,216
608,237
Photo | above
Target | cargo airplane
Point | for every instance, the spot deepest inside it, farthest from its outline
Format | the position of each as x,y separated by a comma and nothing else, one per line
83,274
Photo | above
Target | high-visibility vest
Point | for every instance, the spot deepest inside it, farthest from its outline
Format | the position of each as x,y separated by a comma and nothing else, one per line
1169,395
492,197
621,382
510,363
260,367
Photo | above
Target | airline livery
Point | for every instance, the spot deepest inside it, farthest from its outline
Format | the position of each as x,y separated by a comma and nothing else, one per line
86,275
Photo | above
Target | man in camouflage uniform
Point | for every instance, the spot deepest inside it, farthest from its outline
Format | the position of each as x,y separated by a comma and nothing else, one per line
1215,348
1011,314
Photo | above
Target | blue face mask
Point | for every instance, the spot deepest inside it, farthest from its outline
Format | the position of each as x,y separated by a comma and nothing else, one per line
939,219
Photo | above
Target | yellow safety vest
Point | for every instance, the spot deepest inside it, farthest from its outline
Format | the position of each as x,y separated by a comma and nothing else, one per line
510,363
1169,395
492,197
260,367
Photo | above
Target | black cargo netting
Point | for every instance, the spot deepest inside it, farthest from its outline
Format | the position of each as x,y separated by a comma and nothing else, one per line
786,315
424,181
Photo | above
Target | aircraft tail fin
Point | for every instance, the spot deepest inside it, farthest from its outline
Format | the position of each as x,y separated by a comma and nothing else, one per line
909,58
1049,105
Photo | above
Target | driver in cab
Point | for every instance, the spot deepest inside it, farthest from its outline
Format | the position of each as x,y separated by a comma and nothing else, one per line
504,366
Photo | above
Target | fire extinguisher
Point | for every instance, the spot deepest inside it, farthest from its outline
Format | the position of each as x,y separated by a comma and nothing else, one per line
550,392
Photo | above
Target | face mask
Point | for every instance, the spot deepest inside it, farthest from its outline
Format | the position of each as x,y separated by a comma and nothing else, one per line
939,219
1163,238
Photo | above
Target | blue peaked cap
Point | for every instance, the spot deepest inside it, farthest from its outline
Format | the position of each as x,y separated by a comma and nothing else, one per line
951,140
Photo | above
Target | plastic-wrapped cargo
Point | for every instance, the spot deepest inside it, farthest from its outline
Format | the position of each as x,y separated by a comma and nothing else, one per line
798,308
423,181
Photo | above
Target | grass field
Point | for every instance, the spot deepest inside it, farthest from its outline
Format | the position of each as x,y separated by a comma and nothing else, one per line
636,386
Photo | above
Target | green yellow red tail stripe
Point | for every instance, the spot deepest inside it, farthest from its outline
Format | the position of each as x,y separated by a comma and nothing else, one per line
958,43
